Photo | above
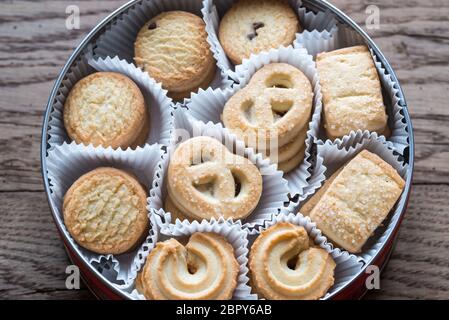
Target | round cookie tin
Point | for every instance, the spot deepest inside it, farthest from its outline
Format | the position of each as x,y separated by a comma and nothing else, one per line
354,288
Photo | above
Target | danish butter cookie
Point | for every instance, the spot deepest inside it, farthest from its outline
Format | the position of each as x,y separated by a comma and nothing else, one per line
205,269
105,211
355,200
172,47
284,266
106,109
252,26
207,181
352,94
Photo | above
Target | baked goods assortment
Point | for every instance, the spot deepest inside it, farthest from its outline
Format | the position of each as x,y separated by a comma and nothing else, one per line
172,47
106,211
204,269
272,113
284,265
106,109
352,94
252,26
206,180
355,200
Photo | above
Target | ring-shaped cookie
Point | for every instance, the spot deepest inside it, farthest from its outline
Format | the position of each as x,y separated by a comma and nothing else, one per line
205,269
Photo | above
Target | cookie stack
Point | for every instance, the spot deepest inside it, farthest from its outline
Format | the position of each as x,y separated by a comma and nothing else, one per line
272,113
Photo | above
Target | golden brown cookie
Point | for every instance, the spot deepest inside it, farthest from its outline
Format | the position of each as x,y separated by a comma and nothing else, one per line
355,201
106,109
252,26
205,269
169,206
105,211
276,104
283,265
352,94
172,47
207,181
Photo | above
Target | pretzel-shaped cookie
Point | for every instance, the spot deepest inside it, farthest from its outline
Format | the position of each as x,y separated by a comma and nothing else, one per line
283,266
276,104
205,180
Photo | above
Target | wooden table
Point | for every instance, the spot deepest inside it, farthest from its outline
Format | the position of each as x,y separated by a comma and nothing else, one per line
34,45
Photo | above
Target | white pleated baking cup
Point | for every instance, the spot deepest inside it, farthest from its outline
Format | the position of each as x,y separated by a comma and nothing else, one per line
214,10
347,265
208,105
68,162
274,191
156,100
333,155
233,233
120,35
342,37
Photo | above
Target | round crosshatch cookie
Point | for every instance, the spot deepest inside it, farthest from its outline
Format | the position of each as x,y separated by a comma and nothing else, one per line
106,109
172,47
105,211
204,269
252,26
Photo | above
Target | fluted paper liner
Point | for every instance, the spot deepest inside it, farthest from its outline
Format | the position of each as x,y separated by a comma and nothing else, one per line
156,100
119,36
347,265
333,155
274,191
68,162
233,234
214,10
208,105
342,37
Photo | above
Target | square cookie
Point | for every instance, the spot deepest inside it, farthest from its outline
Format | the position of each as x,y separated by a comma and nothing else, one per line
355,200
352,95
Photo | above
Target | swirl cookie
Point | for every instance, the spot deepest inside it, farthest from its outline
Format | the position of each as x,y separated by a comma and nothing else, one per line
172,47
206,181
205,269
355,200
252,26
352,94
105,211
106,109
272,113
284,266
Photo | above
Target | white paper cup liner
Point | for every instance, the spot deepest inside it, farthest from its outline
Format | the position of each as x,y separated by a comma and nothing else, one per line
342,37
274,191
68,162
120,35
156,100
348,265
214,10
333,155
208,105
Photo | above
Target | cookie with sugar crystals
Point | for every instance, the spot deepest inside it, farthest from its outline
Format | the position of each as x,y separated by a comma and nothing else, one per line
355,200
352,93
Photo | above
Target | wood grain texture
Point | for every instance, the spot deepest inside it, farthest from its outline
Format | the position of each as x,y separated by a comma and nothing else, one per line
34,45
